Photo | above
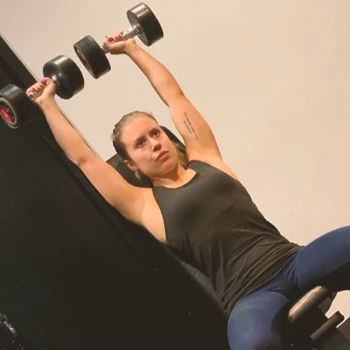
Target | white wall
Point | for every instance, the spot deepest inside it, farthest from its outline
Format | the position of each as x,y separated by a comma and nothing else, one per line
272,78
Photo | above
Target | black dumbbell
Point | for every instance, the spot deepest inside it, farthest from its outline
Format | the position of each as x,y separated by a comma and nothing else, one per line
144,24
16,107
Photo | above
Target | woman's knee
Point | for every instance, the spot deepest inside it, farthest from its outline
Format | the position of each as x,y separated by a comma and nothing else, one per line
251,331
254,340
256,322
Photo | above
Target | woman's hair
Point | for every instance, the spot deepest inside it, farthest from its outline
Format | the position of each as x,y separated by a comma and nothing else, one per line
120,148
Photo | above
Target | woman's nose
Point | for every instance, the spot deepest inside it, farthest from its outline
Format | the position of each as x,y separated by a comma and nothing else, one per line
156,146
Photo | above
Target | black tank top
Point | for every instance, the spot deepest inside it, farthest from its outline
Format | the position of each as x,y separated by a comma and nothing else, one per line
213,224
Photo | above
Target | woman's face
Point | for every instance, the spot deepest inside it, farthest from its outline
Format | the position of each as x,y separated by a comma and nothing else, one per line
149,148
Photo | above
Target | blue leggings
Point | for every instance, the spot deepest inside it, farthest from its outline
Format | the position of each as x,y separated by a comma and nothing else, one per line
255,322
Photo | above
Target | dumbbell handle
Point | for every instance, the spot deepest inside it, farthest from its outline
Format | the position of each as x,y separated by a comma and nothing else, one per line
127,34
33,95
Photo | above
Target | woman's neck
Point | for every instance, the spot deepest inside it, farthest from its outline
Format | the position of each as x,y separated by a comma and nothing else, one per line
176,178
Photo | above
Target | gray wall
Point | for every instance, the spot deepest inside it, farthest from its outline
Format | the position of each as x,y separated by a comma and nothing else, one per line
271,77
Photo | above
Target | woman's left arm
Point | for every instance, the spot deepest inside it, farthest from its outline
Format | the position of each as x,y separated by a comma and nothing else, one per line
197,134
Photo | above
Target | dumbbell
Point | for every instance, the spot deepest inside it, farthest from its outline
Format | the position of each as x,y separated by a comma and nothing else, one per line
144,24
16,107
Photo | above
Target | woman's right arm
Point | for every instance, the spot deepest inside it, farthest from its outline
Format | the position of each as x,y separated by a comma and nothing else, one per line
126,198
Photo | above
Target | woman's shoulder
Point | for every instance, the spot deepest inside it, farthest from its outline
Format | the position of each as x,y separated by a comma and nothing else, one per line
200,162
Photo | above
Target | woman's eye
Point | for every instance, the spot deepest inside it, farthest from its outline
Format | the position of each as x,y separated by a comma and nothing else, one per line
140,144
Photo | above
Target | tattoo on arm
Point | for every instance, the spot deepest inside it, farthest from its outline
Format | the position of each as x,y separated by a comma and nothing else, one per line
189,126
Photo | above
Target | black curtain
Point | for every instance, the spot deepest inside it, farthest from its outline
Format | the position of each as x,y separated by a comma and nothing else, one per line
74,274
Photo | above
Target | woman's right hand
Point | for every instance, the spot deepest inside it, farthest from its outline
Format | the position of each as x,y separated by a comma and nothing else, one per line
44,91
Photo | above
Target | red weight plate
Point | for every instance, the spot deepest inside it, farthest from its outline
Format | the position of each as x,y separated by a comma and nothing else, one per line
6,114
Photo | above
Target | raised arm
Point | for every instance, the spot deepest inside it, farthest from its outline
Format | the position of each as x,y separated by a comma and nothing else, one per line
127,199
194,129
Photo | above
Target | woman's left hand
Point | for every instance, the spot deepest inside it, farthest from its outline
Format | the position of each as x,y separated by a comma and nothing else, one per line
116,45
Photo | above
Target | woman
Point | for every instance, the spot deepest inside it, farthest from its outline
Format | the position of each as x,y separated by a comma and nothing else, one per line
199,207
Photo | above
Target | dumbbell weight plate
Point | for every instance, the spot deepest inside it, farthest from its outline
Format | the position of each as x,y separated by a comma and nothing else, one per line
16,109
68,77
92,56
6,113
143,17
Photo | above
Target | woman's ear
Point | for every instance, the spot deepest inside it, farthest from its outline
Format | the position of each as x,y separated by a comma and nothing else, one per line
130,165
